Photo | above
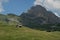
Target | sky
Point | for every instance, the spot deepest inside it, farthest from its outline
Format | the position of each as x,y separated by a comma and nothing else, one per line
50,5
15,6
19,6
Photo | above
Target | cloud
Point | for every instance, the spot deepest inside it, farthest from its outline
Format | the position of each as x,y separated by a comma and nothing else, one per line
57,14
52,5
48,3
38,2
1,5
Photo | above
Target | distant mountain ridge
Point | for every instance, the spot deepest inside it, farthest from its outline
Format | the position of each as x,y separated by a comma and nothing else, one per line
9,19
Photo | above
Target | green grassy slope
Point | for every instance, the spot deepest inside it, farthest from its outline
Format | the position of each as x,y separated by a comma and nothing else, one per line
10,32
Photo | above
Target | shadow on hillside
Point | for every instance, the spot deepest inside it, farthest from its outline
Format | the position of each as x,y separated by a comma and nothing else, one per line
47,28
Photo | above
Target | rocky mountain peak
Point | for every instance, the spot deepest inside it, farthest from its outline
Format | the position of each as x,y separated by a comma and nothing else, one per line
39,15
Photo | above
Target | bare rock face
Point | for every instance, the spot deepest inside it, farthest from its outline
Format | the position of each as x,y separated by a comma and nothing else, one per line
38,15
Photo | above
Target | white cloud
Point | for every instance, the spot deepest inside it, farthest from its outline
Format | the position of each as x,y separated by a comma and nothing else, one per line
1,5
57,14
38,2
49,4
53,3
1,8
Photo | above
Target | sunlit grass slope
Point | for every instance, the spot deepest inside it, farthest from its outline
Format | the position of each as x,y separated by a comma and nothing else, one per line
10,32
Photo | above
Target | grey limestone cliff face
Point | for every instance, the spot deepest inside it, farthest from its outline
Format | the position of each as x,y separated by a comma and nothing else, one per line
39,15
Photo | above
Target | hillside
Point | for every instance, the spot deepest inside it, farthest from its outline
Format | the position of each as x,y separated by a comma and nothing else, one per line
11,19
10,32
37,17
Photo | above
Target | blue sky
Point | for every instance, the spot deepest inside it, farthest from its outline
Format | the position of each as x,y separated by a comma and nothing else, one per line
17,6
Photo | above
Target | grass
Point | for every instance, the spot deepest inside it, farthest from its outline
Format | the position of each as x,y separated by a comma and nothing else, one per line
10,32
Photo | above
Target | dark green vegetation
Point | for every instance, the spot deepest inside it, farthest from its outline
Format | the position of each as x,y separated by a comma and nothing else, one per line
10,32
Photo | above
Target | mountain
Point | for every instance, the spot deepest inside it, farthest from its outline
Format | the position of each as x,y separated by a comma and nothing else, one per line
38,15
